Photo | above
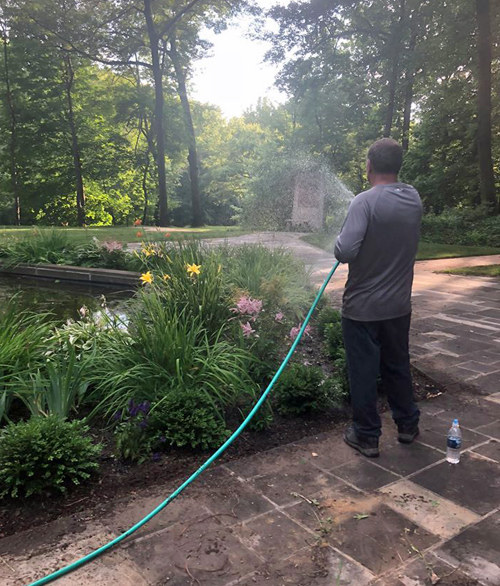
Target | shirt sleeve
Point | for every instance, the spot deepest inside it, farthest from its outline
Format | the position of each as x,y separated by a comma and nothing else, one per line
353,231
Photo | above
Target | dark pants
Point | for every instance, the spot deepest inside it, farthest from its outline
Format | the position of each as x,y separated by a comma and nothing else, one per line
373,348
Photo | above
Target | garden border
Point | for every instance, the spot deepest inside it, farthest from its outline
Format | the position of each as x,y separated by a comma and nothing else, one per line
74,274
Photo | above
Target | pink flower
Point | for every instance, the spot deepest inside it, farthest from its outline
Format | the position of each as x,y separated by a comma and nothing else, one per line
247,329
248,306
279,317
112,245
294,332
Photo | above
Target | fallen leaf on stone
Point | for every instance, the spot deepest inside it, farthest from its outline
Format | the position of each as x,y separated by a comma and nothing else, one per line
314,455
435,579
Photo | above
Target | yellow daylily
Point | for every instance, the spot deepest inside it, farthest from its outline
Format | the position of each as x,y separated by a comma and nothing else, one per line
147,278
193,269
166,277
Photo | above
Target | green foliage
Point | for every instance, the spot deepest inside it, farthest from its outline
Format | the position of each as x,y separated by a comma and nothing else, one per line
84,337
273,275
45,455
262,419
302,390
166,350
333,338
57,247
39,247
131,433
22,336
187,417
105,255
468,226
202,296
328,315
56,389
341,377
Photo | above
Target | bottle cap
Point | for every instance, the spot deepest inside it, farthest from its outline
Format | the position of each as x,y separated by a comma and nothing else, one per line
455,422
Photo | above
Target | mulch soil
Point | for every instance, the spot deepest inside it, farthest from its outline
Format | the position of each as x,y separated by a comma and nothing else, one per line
117,478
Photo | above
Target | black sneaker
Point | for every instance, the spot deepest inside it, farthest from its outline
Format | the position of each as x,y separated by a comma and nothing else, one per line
407,433
368,446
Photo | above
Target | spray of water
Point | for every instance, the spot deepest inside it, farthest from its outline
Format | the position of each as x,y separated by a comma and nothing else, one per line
298,190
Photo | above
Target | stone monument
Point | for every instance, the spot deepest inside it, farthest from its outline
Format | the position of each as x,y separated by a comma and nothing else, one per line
309,188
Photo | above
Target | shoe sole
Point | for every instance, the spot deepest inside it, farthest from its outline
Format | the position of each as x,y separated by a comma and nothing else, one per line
407,438
368,452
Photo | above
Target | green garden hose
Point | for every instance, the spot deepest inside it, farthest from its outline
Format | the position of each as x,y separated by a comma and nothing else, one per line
69,568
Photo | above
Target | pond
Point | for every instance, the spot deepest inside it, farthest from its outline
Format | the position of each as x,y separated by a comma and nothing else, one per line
63,300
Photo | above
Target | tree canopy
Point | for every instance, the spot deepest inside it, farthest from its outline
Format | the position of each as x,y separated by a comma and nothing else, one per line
98,125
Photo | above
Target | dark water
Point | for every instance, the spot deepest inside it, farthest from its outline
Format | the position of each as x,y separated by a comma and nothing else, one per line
63,300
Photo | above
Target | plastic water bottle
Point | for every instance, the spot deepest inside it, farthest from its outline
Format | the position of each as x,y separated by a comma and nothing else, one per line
454,443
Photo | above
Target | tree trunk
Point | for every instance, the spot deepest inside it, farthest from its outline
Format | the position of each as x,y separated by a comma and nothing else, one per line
194,172
159,107
409,81
393,78
13,135
145,190
487,177
75,147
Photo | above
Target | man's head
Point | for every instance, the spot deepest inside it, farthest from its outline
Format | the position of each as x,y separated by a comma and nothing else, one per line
385,158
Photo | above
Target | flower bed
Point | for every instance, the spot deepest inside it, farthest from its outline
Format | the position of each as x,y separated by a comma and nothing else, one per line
178,369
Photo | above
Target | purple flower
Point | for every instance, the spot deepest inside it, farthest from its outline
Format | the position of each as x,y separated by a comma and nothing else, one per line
118,415
279,317
163,439
247,330
145,407
156,457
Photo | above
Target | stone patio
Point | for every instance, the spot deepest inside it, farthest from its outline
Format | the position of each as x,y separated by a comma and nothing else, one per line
315,513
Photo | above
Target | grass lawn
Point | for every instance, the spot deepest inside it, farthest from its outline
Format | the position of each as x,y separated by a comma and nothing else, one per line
426,250
484,271
125,234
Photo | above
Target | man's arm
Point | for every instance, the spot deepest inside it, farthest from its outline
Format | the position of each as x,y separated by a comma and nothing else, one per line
353,231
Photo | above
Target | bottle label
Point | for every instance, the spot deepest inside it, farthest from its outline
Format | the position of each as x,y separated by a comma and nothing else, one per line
455,443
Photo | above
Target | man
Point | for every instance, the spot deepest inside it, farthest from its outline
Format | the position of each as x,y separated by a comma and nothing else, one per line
379,240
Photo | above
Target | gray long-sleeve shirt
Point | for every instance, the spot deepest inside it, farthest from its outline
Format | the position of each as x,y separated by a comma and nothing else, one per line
379,240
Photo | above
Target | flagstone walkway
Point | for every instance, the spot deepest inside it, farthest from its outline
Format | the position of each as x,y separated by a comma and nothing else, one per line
315,513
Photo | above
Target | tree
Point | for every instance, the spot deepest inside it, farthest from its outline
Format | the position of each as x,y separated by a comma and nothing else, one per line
13,127
196,210
484,52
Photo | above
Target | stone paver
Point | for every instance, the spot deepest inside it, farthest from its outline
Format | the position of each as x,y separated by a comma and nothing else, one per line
315,513
476,551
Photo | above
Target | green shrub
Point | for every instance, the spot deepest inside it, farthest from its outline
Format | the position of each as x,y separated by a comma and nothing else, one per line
57,388
204,295
55,247
166,350
262,419
333,339
45,455
302,390
275,276
40,247
470,227
187,417
341,373
328,315
131,433
106,255
22,344
94,330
